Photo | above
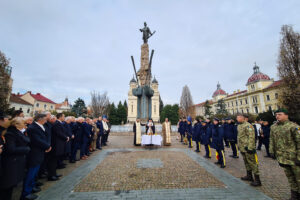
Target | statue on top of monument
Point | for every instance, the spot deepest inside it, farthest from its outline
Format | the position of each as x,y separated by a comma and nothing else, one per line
146,33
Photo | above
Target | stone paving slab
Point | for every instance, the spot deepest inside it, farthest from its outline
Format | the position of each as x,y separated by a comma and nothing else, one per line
234,188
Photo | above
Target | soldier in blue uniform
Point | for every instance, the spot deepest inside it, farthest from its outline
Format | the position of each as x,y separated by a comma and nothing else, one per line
217,133
86,135
182,127
206,138
197,135
265,134
189,132
230,133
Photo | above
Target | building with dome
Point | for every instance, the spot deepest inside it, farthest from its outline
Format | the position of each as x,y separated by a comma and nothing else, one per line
132,101
260,96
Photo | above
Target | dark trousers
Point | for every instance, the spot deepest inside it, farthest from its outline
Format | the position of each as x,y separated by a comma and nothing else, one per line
234,148
227,143
267,144
43,167
197,145
84,147
75,147
6,194
221,157
190,141
260,142
208,151
98,141
29,181
104,139
52,164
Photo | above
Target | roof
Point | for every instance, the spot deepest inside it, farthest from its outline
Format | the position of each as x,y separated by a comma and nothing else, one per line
16,99
154,80
42,98
237,93
203,103
275,84
219,91
257,76
133,80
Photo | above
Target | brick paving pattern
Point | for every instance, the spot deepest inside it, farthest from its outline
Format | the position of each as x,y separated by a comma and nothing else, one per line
275,184
122,171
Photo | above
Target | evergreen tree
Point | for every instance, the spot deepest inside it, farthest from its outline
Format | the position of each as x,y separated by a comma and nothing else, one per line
207,108
79,107
221,107
161,105
121,113
113,117
171,112
5,89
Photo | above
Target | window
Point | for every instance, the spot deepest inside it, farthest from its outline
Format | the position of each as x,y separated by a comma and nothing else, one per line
247,110
37,104
252,87
154,108
241,101
276,95
51,107
232,103
246,101
237,110
28,110
236,103
254,99
20,108
45,106
268,97
242,110
228,104
270,108
256,109
132,108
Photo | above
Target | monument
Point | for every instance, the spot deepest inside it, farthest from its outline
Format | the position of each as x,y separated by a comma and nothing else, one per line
143,95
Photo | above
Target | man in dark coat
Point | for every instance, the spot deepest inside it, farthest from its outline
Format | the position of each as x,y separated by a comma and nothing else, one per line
76,140
38,146
197,135
189,132
68,129
58,142
217,133
86,136
206,138
265,134
100,134
181,129
231,136
16,148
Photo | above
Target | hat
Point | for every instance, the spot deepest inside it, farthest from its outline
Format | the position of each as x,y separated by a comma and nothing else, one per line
204,122
189,118
227,118
104,117
285,111
216,119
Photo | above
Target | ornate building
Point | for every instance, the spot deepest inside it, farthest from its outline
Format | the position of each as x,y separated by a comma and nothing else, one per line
261,95
132,101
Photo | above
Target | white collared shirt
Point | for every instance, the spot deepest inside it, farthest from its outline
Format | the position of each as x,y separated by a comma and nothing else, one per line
40,125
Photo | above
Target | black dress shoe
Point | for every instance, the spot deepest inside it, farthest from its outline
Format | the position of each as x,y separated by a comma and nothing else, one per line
72,161
38,184
61,167
58,175
36,189
77,160
31,197
53,178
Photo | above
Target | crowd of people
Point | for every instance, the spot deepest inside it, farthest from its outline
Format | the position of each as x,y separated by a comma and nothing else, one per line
281,141
33,149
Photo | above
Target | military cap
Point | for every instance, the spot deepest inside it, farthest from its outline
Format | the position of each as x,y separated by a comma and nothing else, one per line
216,119
285,111
227,118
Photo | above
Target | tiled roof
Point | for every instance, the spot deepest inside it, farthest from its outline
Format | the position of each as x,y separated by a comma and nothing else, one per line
202,104
16,99
237,93
275,84
40,97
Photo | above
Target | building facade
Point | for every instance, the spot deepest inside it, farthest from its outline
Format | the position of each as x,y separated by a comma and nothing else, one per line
63,107
260,96
40,103
132,102
16,103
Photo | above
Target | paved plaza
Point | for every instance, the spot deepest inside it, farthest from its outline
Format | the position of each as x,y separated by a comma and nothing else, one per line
122,171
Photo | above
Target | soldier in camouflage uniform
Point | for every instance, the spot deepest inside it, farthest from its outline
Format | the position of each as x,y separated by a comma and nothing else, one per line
246,145
285,147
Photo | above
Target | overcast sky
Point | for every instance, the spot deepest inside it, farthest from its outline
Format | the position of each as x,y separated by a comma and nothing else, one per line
72,47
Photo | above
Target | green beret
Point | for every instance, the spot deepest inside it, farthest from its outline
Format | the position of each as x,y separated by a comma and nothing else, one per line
285,111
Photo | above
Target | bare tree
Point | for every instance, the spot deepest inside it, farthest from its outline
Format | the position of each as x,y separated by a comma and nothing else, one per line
5,85
289,70
186,102
99,104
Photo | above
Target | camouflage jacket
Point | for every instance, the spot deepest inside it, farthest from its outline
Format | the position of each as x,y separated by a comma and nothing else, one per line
285,142
246,137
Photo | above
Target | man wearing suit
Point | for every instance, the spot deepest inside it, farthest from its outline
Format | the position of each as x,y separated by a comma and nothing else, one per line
86,136
38,146
100,134
58,142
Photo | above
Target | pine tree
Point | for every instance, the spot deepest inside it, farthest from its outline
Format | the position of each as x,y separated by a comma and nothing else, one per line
113,117
207,109
121,113
221,108
79,107
5,89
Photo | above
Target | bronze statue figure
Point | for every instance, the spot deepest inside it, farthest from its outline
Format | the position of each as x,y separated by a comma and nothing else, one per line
146,33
